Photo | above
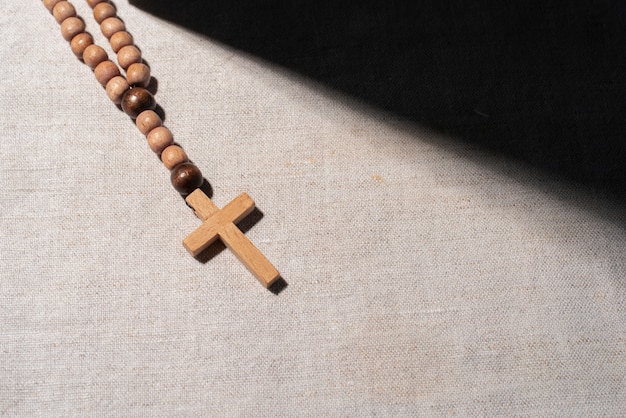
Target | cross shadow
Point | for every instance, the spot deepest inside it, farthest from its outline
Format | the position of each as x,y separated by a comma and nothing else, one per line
541,82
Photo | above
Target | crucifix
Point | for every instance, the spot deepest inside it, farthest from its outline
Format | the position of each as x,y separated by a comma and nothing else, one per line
130,92
222,224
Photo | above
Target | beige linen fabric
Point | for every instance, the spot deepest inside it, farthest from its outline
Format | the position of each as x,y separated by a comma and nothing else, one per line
425,275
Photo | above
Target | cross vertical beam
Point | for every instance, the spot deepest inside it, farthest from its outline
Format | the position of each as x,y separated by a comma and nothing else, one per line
221,224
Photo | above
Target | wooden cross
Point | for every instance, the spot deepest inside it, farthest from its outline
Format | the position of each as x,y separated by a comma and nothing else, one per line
222,224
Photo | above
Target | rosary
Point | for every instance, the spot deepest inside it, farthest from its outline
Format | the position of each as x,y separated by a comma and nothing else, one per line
130,92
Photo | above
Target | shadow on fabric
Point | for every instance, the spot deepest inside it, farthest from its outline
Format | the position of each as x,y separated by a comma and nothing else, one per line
542,82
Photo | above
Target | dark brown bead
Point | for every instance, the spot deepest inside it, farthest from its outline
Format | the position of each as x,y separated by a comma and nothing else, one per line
136,100
186,178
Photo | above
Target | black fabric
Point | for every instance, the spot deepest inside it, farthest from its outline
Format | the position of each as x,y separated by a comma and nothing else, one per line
543,82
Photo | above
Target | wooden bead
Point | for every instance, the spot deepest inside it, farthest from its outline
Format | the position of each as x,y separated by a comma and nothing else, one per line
63,10
71,27
128,55
94,3
111,26
119,40
173,155
103,11
49,4
116,87
159,138
105,71
136,100
147,121
186,178
138,74
94,55
80,42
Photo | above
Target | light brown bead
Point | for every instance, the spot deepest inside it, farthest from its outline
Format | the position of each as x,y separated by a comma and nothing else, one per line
94,3
147,121
80,42
159,138
116,87
71,27
136,100
186,178
119,40
128,55
94,55
111,26
105,71
49,4
62,10
103,11
138,74
172,156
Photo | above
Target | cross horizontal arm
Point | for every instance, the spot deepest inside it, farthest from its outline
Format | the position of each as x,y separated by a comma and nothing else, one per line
208,232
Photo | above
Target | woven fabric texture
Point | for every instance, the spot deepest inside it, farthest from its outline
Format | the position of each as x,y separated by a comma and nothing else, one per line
427,275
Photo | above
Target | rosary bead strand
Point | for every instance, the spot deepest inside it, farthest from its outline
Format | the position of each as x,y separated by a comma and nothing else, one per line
128,91
137,100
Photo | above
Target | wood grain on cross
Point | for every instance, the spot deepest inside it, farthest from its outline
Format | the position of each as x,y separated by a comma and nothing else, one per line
222,224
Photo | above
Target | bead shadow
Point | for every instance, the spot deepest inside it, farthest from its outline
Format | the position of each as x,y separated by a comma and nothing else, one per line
159,111
539,81
153,85
278,286
206,188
